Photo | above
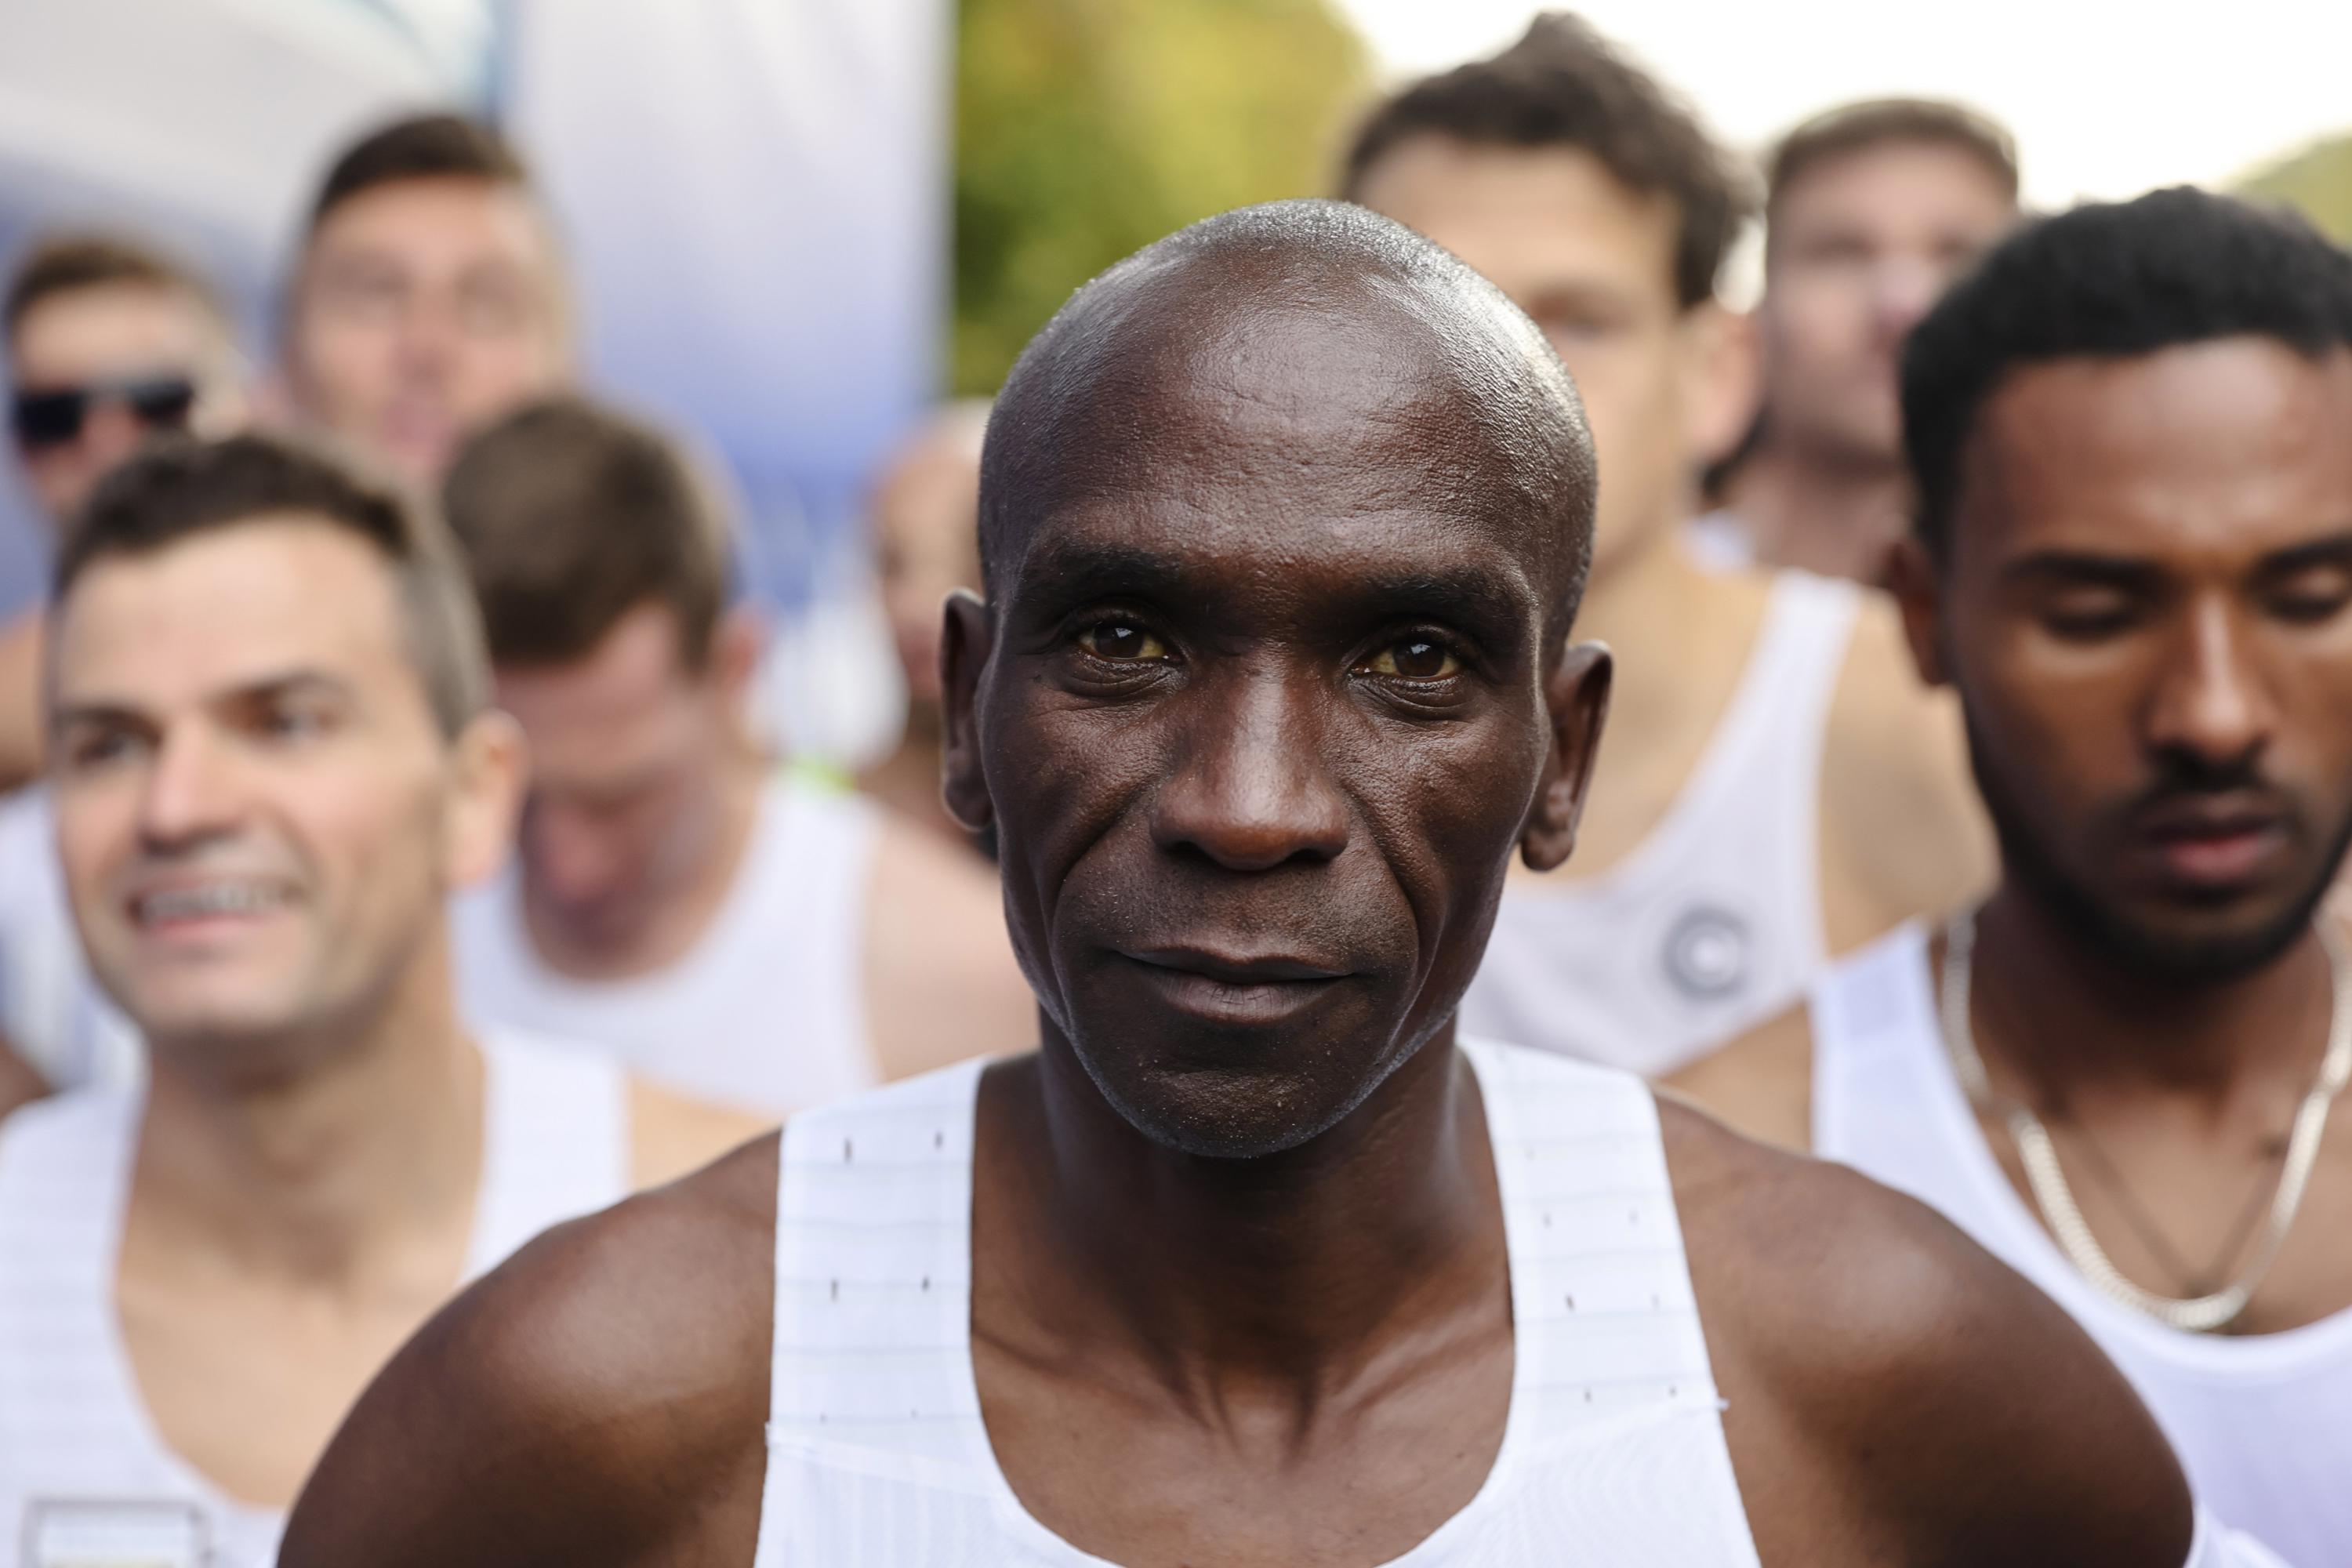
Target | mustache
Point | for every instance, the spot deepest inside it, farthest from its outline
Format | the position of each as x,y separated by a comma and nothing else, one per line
2186,775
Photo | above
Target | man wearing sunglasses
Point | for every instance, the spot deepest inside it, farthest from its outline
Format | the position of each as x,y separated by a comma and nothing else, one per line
108,341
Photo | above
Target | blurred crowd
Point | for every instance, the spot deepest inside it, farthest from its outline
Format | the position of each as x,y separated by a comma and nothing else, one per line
394,865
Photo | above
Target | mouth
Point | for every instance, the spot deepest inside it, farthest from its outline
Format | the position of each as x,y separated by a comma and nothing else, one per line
1222,987
214,904
2215,846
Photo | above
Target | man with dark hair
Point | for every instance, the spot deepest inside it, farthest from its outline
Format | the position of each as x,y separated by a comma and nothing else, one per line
1254,1262
1871,211
2133,564
750,933
108,342
429,297
272,759
1780,788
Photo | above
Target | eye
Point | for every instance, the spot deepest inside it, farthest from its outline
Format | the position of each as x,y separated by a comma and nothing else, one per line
1121,642
2089,615
2311,597
295,721
1413,658
91,749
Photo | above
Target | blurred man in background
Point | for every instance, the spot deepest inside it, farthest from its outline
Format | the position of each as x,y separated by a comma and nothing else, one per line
1778,788
273,758
724,925
109,341
1871,211
2135,564
925,518
429,296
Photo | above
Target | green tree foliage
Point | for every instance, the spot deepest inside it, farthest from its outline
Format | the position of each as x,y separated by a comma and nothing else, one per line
2318,180
1086,128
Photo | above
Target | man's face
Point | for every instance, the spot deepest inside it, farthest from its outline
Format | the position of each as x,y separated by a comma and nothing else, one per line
626,746
2148,611
257,816
424,311
1593,264
1861,245
1262,711
95,372
926,518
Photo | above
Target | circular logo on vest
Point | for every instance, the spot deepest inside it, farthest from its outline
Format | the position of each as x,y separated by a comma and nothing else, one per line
1708,952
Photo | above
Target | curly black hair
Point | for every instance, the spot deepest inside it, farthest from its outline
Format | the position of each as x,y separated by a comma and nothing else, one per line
2111,279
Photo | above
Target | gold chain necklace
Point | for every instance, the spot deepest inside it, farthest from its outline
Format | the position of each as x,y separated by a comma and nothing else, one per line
2201,1314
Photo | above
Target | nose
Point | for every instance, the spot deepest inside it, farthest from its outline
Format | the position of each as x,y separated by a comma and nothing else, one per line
1904,289
191,793
111,432
2211,705
1251,791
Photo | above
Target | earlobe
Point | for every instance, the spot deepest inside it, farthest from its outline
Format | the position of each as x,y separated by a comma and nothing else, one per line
965,643
1576,698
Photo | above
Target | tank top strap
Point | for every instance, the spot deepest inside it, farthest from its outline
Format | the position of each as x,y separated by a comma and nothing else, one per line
555,1143
1875,1039
872,1354
1605,1318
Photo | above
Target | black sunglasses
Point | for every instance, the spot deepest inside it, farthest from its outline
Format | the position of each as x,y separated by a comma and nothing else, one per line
44,419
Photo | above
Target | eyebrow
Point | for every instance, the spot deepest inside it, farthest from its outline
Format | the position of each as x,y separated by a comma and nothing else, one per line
1466,594
2076,566
293,682
2335,550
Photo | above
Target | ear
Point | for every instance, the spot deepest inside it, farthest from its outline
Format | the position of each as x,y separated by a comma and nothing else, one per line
737,643
1915,580
1722,380
489,766
965,643
1576,698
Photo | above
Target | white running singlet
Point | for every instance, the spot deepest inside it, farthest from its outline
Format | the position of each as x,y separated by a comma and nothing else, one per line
1612,1452
1713,922
51,1009
767,1012
2262,1423
86,1480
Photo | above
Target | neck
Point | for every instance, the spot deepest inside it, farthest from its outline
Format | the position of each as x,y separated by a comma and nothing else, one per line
1817,512
1283,1272
2084,1025
373,1137
1670,622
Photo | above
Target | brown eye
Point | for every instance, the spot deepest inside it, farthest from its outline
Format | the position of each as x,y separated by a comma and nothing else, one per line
1415,658
1121,642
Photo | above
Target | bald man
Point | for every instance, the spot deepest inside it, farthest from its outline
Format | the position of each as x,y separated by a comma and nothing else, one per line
1252,1261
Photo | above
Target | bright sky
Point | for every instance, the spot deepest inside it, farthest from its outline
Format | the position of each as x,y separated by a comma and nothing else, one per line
2106,98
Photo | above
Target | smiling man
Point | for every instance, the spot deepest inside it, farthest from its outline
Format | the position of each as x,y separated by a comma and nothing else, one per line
1251,1261
272,760
2135,564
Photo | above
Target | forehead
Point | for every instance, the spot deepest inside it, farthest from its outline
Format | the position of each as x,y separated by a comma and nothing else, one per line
218,611
2225,450
87,333
1894,188
446,224
1532,219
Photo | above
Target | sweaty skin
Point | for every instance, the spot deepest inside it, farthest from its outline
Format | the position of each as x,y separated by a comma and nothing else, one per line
1284,520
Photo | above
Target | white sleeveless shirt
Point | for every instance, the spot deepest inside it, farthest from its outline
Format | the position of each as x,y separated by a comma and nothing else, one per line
2263,1423
1613,1451
86,1480
1713,922
767,1012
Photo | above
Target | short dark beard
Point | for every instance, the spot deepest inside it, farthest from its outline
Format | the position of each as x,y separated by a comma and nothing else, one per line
2128,945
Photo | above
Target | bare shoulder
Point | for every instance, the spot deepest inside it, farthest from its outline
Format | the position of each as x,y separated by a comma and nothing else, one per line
940,981
1903,834
19,1083
20,699
671,1134
1893,1391
1759,1083
602,1397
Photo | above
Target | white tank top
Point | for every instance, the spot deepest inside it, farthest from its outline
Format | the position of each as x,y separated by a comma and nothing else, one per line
767,1012
1713,922
85,1477
51,1009
1614,1448
2263,1423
